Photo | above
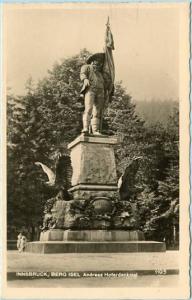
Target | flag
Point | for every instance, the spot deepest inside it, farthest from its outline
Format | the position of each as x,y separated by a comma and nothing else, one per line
109,67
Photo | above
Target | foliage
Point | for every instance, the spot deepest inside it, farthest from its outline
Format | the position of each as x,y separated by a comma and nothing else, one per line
159,204
123,122
155,189
40,125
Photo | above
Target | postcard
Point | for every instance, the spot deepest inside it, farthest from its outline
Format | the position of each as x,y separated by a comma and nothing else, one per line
95,151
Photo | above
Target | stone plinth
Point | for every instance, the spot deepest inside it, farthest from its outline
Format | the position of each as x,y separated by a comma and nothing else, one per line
87,191
91,235
98,225
94,168
94,247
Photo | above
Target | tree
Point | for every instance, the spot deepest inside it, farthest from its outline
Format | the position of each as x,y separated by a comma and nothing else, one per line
159,204
40,125
123,121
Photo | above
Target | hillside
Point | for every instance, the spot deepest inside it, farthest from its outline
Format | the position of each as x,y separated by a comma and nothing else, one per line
156,110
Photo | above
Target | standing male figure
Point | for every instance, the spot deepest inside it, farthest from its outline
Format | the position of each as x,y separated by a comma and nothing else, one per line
94,93
98,84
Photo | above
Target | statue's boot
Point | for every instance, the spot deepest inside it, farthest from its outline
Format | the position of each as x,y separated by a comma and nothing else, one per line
86,123
95,124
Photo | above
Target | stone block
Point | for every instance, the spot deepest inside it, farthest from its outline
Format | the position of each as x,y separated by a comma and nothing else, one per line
91,235
52,235
86,192
104,139
95,247
93,161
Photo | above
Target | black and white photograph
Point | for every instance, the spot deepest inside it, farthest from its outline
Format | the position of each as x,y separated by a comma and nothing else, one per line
96,151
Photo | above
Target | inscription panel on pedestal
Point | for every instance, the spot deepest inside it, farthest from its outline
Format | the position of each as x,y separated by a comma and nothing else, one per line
93,164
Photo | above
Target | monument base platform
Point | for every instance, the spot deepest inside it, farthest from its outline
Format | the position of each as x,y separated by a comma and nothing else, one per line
91,235
94,247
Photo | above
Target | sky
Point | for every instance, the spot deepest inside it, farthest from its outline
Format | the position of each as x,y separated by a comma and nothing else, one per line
146,36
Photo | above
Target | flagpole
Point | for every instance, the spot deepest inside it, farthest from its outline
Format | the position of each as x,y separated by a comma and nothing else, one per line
106,96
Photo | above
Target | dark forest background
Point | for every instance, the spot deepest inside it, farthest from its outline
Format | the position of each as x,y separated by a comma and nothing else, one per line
49,116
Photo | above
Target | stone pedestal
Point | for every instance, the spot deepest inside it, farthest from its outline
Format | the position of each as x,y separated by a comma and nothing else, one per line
94,169
95,220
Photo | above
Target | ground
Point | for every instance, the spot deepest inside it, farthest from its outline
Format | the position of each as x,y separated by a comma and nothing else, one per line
118,269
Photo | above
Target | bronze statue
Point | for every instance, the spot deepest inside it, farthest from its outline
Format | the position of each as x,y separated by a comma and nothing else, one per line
93,89
98,85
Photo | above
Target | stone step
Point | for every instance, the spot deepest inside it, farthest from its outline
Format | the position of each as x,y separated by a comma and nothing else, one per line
95,247
91,235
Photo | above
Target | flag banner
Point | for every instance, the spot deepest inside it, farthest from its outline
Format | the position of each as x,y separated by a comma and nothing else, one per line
109,67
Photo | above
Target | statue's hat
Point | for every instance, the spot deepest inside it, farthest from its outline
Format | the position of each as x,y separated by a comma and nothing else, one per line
97,57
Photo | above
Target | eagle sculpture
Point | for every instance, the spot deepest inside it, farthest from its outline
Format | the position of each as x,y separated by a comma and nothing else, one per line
126,183
61,178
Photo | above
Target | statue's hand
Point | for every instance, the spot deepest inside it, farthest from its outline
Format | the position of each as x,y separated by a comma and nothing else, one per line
86,83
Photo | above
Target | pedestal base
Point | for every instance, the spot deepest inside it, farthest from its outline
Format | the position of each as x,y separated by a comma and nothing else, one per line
88,191
94,169
93,241
95,247
91,235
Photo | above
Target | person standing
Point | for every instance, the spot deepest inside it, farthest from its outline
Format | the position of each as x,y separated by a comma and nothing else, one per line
19,240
